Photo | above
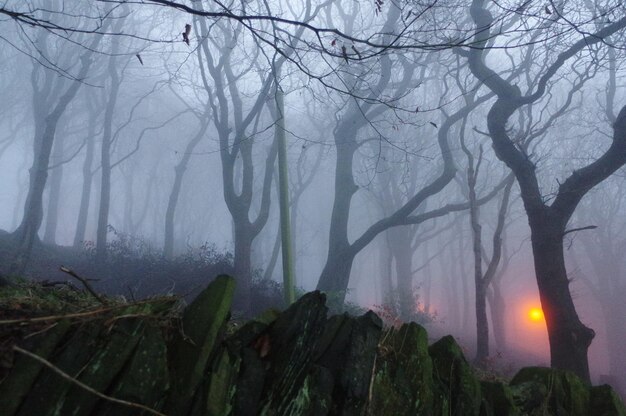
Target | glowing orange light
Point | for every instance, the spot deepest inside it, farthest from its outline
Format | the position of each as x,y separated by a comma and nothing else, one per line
535,314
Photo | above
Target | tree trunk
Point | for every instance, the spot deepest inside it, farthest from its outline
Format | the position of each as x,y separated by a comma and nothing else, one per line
400,245
497,307
26,233
243,265
105,160
85,196
180,169
335,276
614,313
569,338
54,195
482,326
386,265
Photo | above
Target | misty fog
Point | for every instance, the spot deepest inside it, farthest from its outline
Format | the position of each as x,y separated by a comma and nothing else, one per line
431,148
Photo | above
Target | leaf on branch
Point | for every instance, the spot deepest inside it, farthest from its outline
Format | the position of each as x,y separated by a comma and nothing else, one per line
334,42
547,10
186,33
433,124
139,57
417,109
357,52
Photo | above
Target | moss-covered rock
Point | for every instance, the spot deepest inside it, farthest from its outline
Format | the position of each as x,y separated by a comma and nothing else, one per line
403,375
605,402
145,379
189,354
455,378
104,367
288,347
222,383
566,394
26,370
294,363
497,400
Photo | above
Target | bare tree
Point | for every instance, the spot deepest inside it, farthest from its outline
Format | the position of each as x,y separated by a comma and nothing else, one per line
569,337
51,96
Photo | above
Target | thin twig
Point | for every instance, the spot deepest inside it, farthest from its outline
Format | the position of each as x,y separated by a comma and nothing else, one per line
49,327
85,283
589,227
57,317
84,386
74,315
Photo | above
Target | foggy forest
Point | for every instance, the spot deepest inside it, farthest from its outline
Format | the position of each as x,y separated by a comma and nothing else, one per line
457,163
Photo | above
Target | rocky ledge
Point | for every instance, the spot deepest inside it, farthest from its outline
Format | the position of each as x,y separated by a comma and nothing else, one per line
153,357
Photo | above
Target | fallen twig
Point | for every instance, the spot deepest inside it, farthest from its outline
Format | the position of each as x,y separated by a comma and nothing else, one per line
73,315
85,283
57,317
84,386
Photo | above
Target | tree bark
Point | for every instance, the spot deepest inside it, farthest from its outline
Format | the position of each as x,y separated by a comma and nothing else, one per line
180,169
54,194
569,337
45,131
497,307
85,195
105,158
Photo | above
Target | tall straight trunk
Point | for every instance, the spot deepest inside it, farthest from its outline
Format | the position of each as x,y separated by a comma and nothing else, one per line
480,286
105,159
283,196
26,233
271,265
85,195
461,274
243,264
497,308
335,275
614,312
482,323
428,278
179,173
386,272
54,195
452,277
129,201
400,239
15,220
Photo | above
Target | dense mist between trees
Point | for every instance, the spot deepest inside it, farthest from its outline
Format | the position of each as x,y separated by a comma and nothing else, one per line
458,163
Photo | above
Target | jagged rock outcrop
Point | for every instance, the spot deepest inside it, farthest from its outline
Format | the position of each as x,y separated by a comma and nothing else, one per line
149,358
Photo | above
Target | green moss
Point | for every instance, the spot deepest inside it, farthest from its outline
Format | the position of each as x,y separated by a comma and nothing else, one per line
145,378
202,321
455,378
222,384
566,393
605,402
15,387
403,375
498,400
